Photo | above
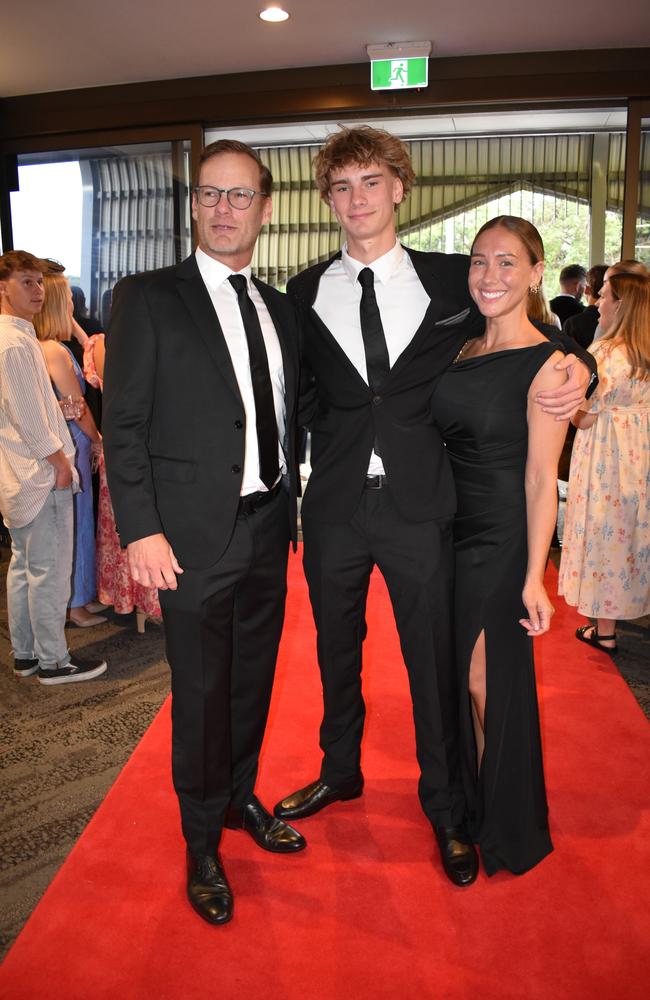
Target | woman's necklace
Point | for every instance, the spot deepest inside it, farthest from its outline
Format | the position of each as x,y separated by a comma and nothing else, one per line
496,348
462,351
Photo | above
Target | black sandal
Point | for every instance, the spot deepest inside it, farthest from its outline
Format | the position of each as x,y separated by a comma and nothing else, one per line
596,640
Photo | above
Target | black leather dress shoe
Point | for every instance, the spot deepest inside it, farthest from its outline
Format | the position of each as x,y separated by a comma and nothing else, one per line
314,797
207,888
269,833
459,857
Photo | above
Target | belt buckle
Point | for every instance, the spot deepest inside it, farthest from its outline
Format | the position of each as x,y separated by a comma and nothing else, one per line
375,482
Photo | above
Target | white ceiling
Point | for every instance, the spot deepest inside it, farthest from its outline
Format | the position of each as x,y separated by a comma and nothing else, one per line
487,123
47,46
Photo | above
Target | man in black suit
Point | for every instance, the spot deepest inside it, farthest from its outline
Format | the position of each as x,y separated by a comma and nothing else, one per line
380,323
200,393
573,279
583,326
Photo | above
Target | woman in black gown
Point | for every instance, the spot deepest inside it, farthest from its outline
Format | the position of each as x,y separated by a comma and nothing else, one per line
504,451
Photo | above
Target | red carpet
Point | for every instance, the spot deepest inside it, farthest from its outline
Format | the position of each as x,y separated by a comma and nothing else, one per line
364,912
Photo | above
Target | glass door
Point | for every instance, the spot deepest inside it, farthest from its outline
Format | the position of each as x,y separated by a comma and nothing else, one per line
104,212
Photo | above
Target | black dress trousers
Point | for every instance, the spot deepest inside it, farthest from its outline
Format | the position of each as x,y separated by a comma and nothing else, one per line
223,627
416,560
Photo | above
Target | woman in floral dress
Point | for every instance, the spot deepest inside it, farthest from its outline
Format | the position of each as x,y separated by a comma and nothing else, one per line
114,583
605,568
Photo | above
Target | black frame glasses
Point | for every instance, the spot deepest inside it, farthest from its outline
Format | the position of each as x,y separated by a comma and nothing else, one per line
238,197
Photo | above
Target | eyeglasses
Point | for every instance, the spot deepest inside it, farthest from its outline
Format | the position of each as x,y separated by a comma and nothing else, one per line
237,197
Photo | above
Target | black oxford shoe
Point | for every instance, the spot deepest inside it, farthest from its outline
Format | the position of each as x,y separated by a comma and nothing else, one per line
314,797
269,833
207,888
459,857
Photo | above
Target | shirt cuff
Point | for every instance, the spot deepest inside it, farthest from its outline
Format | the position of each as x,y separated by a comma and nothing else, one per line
43,447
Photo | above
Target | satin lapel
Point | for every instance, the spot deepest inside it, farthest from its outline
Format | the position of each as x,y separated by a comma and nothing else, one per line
196,297
430,283
431,286
314,275
336,347
425,329
317,322
289,349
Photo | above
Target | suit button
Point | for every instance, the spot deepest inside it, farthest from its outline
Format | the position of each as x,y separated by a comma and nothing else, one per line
236,469
377,400
238,425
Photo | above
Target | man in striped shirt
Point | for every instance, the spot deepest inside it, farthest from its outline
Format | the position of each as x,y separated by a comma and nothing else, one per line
37,479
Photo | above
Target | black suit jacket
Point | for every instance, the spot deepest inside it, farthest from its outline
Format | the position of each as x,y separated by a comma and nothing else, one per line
583,326
174,422
564,306
346,417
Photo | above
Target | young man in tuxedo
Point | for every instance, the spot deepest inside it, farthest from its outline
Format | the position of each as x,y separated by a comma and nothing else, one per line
199,413
380,322
582,327
573,281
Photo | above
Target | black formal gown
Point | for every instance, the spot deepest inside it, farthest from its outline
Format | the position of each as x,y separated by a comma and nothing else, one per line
480,406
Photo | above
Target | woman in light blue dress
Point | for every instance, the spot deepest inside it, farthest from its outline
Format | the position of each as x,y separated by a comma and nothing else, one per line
54,324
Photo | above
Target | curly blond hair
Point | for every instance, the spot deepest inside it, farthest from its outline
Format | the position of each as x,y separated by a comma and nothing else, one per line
362,145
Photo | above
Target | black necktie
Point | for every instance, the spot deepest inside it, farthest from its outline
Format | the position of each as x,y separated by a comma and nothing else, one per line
374,341
267,427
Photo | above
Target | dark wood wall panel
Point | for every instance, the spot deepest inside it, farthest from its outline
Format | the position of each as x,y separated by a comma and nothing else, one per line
327,91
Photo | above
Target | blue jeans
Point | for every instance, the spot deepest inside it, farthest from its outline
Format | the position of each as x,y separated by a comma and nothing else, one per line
38,583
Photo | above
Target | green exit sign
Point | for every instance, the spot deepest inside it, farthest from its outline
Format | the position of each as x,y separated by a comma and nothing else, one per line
398,74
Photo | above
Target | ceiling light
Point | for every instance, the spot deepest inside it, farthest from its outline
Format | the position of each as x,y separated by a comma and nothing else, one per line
273,14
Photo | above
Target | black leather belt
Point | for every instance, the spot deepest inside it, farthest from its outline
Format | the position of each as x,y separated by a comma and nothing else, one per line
376,482
253,501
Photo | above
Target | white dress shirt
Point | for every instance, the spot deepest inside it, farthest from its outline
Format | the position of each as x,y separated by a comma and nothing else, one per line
401,299
224,299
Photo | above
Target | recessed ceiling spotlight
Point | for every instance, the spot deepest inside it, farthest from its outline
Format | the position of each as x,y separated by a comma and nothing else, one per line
273,14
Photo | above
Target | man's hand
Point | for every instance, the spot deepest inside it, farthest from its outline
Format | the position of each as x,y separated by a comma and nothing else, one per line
566,400
152,562
63,477
62,469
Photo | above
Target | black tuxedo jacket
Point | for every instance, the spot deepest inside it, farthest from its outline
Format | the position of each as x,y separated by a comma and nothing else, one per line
565,306
346,417
174,422
582,327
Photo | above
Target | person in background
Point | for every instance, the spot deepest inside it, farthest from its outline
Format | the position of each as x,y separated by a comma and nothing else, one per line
89,324
573,280
54,326
582,327
83,327
37,477
629,266
538,308
605,567
115,585
105,308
